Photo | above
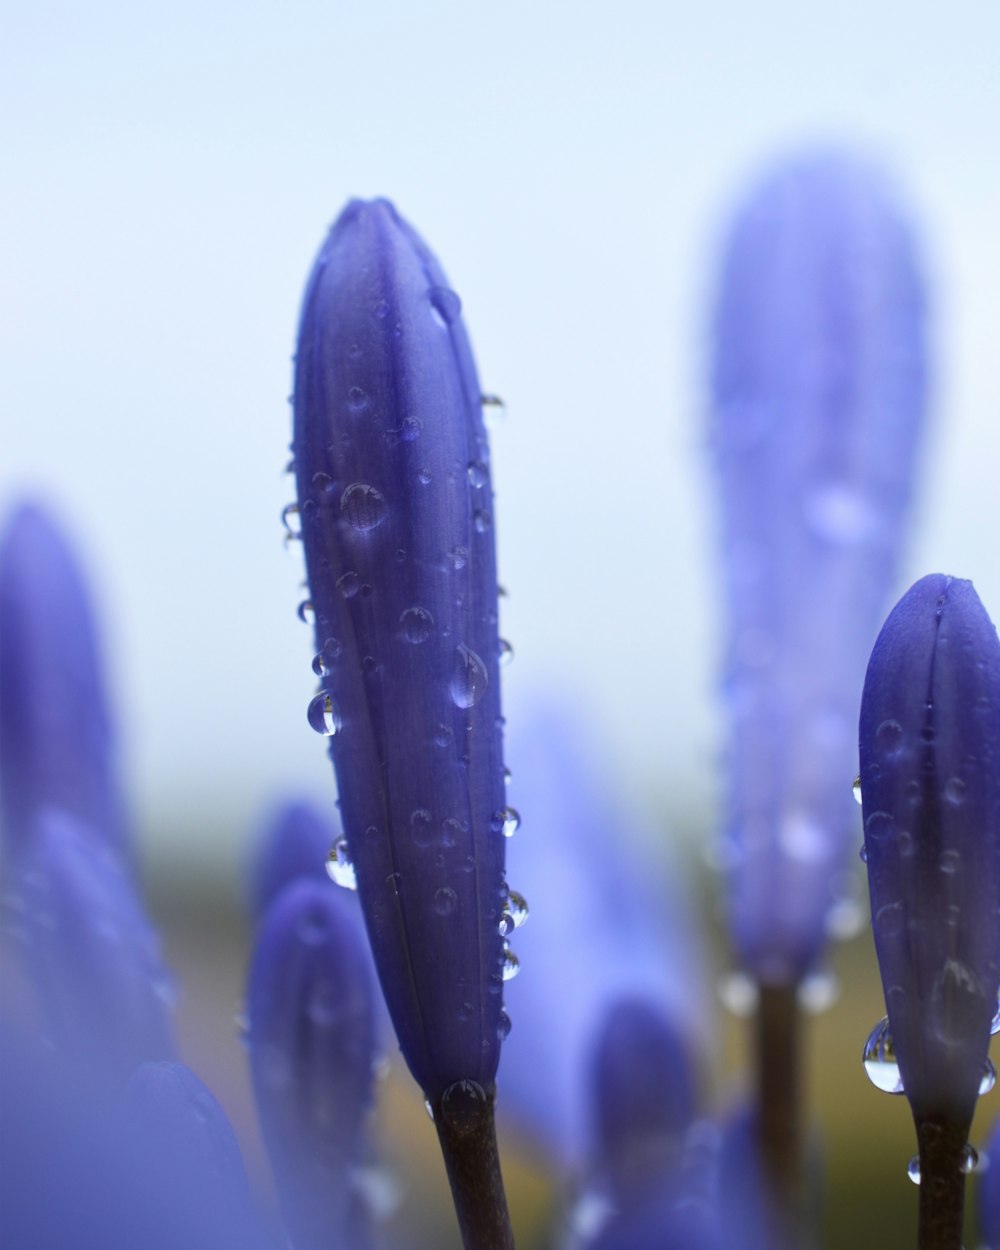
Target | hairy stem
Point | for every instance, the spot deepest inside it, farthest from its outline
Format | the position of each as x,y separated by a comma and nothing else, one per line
941,1147
469,1147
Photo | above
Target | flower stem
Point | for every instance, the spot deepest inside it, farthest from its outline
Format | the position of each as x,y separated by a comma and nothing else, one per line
779,1046
941,1144
472,1162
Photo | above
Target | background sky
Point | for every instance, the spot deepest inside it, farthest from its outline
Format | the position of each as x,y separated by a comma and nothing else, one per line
169,170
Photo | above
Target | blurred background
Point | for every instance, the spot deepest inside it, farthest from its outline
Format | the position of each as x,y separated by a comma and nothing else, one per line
169,172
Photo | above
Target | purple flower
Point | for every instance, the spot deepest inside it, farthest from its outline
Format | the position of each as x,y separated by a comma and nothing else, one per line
312,1040
930,783
643,1085
295,843
396,515
56,735
818,387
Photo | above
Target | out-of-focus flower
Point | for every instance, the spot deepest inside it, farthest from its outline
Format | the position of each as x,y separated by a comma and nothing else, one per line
818,387
988,1194
601,913
312,1043
643,1086
295,843
56,734
396,514
930,784
92,959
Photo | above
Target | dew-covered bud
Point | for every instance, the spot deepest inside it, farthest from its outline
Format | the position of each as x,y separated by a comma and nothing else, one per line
312,1042
930,785
817,401
56,737
395,510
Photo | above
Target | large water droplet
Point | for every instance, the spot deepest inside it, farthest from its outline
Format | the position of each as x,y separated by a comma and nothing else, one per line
417,624
506,821
879,1058
464,1106
364,506
339,867
446,304
323,715
995,1023
988,1078
856,789
469,678
511,964
348,584
913,1169
306,612
482,521
503,1027
493,407
478,474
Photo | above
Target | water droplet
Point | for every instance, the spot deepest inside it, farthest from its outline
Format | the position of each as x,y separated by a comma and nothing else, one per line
380,309
845,918
970,1156
913,1169
323,715
443,736
364,506
856,789
417,625
988,1079
469,678
995,1024
863,853
482,521
493,407
394,881
445,901
457,557
421,826
446,304
889,736
879,1058
517,907
503,1026
950,862
879,825
347,584
506,651
511,964
505,820
889,920
478,474
292,522
306,612
954,791
321,665
424,477
818,992
429,1109
357,400
339,867
738,994
463,1106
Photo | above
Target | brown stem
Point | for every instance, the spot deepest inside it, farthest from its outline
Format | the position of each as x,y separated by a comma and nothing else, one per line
942,1183
779,1124
467,1132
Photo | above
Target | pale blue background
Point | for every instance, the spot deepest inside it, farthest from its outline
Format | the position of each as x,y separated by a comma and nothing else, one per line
168,171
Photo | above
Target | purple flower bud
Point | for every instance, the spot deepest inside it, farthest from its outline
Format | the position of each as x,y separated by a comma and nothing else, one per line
295,843
56,738
312,1042
90,955
818,393
395,507
644,1092
930,784
192,1188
